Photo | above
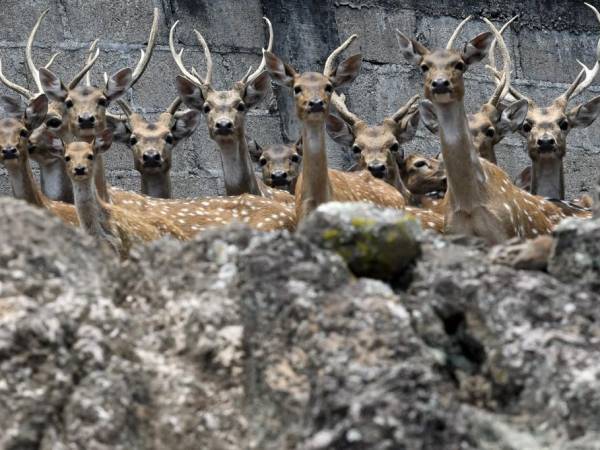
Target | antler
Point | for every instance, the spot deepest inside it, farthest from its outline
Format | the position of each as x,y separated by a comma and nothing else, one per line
329,69
174,106
459,28
90,62
407,108
91,52
248,78
28,52
14,86
339,102
503,82
177,56
142,64
585,77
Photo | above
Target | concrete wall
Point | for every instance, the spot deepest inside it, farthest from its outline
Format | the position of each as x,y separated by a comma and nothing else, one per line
544,47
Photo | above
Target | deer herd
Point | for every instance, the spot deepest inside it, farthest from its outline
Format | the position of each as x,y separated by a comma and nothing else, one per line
65,127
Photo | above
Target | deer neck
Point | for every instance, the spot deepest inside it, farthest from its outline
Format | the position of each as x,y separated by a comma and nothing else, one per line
465,174
23,185
396,181
548,179
157,185
316,186
237,167
93,217
55,183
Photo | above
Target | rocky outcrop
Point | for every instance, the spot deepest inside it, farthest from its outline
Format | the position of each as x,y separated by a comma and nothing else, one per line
242,339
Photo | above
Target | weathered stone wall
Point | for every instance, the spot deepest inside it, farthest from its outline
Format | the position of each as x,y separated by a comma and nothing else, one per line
544,48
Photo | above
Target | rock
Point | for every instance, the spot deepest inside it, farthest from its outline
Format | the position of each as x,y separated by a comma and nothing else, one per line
576,256
375,242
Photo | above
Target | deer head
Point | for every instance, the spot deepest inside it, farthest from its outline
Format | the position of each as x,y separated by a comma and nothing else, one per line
80,156
280,165
225,111
84,107
423,175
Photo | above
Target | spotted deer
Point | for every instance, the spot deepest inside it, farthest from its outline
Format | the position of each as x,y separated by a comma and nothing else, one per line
481,200
280,165
225,113
494,120
546,129
317,184
425,178
378,148
152,143
15,130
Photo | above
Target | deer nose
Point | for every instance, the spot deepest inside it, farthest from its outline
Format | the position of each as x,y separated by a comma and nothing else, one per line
377,169
151,157
440,85
316,105
86,120
546,143
9,152
224,126
79,170
279,177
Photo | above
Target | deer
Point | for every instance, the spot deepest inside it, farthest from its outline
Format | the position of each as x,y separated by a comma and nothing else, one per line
15,130
225,113
480,200
152,143
317,184
378,148
546,129
425,178
494,120
280,164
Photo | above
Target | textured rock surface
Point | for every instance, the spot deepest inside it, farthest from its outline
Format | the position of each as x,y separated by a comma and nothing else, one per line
547,39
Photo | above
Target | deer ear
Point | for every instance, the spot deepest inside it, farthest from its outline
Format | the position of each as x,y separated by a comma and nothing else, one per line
185,124
118,84
254,149
118,127
103,141
476,49
257,90
35,112
281,73
428,116
584,115
347,71
339,131
53,87
56,146
191,95
412,50
298,146
512,117
12,106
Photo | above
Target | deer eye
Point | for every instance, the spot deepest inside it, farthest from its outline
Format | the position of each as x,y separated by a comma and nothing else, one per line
394,147
490,132
527,127
356,149
24,133
102,101
295,158
132,140
460,66
169,138
206,109
420,164
564,125
262,161
297,89
67,158
241,107
54,122
424,68
90,157
69,103
329,88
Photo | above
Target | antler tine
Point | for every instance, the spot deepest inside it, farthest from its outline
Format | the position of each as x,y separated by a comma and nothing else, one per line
174,106
90,62
339,102
503,84
404,110
125,107
248,78
142,64
178,60
88,79
51,60
328,70
33,70
459,28
207,56
14,86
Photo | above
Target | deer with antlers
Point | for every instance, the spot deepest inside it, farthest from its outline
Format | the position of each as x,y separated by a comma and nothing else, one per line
481,200
546,129
225,113
317,183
